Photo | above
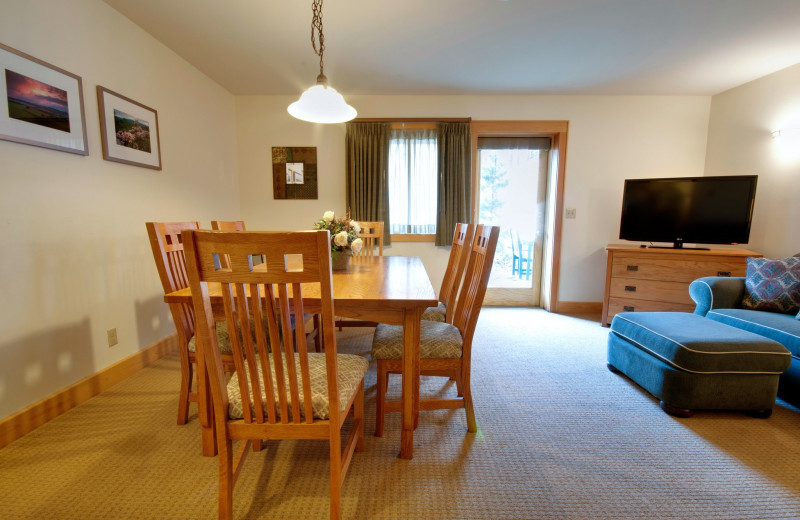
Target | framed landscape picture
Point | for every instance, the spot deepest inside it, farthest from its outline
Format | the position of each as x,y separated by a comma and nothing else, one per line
42,105
129,130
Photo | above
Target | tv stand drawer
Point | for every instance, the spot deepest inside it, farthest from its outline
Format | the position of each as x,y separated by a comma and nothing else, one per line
653,290
678,268
617,305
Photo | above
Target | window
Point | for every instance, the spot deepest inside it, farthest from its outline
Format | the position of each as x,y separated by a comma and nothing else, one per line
413,170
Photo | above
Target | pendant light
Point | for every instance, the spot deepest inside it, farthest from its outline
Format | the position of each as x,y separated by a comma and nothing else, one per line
321,103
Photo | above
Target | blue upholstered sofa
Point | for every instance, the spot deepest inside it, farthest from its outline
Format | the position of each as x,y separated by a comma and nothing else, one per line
719,299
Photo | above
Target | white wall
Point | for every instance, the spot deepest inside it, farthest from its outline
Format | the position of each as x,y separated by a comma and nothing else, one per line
611,138
76,259
740,142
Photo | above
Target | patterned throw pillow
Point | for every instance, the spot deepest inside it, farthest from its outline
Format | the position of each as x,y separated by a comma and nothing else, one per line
772,284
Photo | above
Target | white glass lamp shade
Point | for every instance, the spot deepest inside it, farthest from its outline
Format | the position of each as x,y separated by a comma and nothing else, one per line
322,104
787,133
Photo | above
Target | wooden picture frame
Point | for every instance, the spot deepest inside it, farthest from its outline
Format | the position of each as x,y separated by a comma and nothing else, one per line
42,105
129,130
294,172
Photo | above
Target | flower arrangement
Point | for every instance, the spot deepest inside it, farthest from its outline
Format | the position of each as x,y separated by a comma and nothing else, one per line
344,232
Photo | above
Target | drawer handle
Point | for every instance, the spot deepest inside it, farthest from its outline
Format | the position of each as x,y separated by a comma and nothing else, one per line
628,308
630,288
633,268
723,273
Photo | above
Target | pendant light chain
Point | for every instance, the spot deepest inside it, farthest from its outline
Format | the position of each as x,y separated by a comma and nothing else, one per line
316,29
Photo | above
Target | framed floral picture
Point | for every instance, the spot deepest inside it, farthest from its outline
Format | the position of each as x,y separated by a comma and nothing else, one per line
129,130
42,105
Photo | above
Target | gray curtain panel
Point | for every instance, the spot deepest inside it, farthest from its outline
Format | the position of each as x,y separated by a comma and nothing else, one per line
455,179
367,154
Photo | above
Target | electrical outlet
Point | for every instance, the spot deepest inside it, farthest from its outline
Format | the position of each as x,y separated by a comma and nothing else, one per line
570,213
112,337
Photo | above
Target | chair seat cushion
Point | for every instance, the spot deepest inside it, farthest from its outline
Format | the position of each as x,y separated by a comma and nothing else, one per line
696,344
351,371
783,328
436,340
223,339
438,313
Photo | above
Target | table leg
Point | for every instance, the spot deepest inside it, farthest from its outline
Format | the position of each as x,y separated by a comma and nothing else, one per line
410,394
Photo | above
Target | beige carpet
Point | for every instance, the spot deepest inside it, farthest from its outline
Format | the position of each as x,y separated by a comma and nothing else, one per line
560,438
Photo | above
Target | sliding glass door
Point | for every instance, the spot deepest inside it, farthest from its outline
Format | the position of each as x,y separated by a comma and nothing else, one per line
513,195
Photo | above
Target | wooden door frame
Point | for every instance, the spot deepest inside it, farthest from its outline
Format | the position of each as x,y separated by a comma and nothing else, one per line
558,132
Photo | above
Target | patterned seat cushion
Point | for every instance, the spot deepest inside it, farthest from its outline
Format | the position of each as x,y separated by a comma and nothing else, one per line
351,370
223,339
436,340
438,313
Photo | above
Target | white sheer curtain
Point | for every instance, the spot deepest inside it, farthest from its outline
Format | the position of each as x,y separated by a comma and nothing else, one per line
413,166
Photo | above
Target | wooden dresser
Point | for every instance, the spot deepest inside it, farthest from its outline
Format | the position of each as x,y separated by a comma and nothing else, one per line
652,279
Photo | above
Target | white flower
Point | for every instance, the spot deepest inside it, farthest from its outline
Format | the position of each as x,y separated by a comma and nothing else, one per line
357,245
327,216
340,239
356,227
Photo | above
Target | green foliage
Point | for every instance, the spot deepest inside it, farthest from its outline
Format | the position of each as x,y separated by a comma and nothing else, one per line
493,180
337,225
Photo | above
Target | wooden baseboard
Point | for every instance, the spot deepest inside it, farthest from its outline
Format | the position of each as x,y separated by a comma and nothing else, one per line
15,426
579,308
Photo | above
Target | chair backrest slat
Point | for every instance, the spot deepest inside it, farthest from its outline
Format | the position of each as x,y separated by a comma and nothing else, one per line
258,384
371,235
473,289
168,253
288,346
245,314
236,348
302,351
275,339
264,314
167,245
459,252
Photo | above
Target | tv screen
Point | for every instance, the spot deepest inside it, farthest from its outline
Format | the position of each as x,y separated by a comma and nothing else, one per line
702,210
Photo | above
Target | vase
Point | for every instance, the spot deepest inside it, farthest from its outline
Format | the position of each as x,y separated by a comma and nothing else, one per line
340,259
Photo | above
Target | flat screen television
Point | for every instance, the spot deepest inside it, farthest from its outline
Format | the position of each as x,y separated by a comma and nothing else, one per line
699,210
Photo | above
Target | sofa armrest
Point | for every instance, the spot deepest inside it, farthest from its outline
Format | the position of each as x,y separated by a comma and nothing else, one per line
716,292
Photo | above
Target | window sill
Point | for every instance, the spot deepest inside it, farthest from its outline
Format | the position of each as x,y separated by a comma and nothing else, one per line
412,237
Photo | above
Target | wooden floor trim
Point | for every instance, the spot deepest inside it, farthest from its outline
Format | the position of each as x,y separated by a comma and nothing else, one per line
579,307
25,421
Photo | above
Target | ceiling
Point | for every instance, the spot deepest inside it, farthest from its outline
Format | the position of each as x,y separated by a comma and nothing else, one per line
625,47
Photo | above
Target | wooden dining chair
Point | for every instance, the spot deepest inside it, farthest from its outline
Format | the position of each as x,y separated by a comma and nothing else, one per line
228,225
462,238
445,349
279,390
166,243
312,320
371,235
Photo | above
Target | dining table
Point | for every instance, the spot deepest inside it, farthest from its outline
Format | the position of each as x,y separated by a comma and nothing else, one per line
394,290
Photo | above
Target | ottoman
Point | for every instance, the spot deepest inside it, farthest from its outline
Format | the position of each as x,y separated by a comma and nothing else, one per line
693,363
